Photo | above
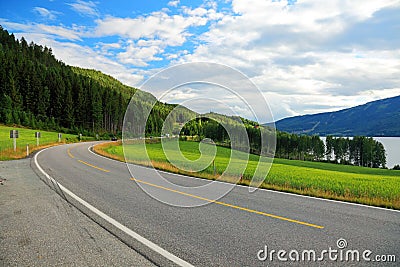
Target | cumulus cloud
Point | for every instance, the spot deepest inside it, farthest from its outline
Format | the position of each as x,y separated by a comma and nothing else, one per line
171,29
148,36
303,53
139,55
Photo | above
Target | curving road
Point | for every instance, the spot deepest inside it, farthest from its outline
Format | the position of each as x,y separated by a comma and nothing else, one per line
233,231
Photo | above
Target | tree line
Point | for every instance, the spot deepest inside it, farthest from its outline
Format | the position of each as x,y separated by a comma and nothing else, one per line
301,147
360,151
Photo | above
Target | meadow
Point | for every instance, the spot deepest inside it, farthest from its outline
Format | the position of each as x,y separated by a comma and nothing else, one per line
378,187
27,138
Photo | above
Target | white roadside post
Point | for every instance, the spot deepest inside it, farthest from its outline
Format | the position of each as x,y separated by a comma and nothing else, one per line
215,169
37,135
59,137
27,150
14,135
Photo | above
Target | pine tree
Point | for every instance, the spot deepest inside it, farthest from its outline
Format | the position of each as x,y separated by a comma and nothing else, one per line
6,109
68,115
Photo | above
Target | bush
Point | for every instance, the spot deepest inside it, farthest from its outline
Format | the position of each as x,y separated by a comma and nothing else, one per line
396,167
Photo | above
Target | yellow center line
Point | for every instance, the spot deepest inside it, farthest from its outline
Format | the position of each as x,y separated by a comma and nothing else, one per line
90,165
84,162
69,153
230,205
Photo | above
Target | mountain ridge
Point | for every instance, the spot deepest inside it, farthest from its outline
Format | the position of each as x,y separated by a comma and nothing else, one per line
383,120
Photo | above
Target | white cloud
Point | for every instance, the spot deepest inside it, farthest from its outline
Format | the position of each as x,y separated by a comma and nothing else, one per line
172,30
110,45
173,3
308,15
148,36
108,49
140,55
176,55
45,13
85,8
59,31
37,28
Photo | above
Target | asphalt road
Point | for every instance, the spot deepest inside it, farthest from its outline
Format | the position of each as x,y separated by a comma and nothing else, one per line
38,228
233,231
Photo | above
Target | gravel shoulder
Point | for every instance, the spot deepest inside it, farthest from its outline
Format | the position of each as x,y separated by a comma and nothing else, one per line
39,228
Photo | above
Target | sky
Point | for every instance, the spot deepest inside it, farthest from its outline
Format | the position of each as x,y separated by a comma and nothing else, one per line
305,56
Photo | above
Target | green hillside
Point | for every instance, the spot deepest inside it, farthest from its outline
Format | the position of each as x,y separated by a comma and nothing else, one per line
377,118
41,92
105,80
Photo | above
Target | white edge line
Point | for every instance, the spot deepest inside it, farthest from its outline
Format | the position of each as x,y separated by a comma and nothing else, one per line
262,189
117,224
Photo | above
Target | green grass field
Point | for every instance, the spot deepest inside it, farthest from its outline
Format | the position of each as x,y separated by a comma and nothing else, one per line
350,183
27,137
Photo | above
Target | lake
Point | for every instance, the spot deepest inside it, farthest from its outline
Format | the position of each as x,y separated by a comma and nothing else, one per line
392,147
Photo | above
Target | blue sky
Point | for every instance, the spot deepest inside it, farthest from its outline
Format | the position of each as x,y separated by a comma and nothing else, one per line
305,56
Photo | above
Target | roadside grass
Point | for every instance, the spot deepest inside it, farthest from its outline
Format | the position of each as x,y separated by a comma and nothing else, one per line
27,138
377,187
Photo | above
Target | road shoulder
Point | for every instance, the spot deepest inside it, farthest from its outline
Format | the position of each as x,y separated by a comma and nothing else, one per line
39,228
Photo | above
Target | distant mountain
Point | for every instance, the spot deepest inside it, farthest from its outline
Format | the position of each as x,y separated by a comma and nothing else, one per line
377,118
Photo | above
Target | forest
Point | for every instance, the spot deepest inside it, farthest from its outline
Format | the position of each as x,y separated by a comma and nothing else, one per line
41,92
